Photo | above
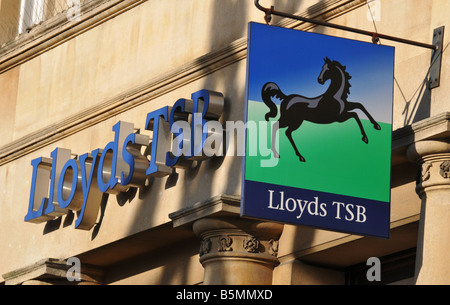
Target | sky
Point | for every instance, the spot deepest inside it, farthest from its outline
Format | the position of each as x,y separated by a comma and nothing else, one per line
293,60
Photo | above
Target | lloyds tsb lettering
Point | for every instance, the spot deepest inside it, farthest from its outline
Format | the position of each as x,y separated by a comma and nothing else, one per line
63,182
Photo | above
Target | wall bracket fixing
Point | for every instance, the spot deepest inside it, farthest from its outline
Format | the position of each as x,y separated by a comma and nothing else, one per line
436,58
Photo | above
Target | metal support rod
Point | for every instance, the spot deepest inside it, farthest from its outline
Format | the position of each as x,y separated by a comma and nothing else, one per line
375,36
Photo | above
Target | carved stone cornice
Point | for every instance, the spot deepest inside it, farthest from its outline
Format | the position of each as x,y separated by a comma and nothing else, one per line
217,221
217,206
59,29
52,271
436,127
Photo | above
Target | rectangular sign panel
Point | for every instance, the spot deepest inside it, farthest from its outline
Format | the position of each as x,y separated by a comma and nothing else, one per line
319,128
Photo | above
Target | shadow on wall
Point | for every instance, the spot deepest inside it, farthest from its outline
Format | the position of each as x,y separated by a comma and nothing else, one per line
418,107
166,265
197,184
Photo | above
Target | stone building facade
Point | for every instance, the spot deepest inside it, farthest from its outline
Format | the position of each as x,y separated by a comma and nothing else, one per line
75,69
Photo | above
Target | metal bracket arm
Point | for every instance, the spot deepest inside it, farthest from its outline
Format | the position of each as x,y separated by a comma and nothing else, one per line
375,36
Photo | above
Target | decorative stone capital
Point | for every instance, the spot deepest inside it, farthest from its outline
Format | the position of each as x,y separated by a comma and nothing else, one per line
238,251
433,157
235,236
433,187
233,250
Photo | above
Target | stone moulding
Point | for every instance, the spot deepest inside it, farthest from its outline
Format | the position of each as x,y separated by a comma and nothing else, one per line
436,127
224,234
51,270
181,76
221,205
57,30
128,100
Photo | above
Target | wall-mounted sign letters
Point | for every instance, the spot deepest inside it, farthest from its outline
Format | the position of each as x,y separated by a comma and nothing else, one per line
180,134
326,104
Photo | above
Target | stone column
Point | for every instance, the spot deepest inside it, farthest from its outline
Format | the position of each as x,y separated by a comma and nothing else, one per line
433,187
237,251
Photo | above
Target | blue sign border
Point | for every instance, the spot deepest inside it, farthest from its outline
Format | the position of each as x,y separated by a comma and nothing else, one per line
321,209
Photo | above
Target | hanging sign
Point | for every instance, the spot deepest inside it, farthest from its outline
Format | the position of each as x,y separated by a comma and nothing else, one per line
321,151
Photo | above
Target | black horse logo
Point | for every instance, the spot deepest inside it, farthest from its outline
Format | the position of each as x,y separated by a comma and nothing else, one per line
330,107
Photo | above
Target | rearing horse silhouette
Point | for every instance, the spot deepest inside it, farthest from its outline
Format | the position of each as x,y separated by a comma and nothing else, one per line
330,107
